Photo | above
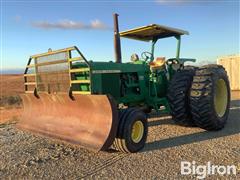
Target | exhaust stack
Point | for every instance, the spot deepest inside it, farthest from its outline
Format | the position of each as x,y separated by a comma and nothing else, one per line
117,43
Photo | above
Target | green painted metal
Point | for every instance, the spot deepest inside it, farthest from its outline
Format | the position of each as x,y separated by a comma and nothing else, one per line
152,50
130,84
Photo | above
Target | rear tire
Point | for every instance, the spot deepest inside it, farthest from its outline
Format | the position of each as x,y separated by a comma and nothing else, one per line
132,131
178,96
210,97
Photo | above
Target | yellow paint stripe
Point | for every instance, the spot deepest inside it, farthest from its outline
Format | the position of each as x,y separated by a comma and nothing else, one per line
135,30
80,81
81,92
79,70
28,92
27,75
30,83
75,59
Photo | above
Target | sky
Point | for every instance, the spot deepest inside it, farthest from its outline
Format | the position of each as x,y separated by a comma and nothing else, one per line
31,27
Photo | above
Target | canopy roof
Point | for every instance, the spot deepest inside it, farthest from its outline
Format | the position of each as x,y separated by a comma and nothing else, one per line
148,33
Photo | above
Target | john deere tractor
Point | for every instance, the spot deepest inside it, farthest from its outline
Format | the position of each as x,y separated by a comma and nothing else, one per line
99,104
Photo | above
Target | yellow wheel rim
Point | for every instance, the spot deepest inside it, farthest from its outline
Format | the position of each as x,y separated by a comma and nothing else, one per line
137,131
220,98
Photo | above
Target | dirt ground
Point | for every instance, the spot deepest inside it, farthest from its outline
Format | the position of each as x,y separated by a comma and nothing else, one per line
27,156
10,88
11,84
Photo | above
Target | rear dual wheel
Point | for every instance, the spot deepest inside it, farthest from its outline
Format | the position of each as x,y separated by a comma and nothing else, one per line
178,96
132,130
200,96
210,97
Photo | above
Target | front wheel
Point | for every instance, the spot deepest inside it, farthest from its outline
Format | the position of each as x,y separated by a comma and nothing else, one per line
132,131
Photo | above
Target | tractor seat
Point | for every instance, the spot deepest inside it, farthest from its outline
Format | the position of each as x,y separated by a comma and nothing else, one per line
159,63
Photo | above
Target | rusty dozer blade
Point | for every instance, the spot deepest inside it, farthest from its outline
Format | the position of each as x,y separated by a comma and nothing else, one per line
88,120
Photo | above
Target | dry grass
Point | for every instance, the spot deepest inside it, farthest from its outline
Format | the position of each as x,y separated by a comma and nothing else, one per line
10,101
11,84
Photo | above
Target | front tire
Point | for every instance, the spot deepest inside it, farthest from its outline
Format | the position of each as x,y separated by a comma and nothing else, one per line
210,97
132,131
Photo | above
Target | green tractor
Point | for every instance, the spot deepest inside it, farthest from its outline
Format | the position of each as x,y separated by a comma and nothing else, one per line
100,104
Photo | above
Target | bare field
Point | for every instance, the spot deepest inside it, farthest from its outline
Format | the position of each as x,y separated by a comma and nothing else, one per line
11,84
10,103
26,156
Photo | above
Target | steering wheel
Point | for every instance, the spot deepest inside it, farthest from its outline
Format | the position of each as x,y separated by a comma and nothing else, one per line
145,55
